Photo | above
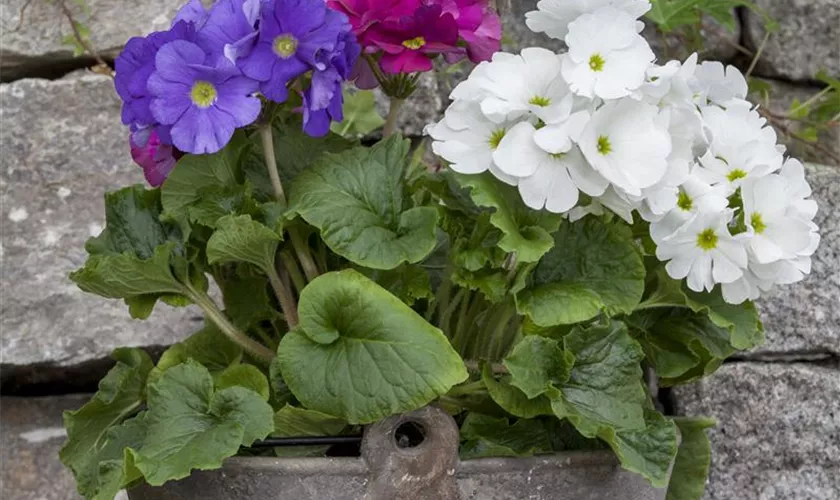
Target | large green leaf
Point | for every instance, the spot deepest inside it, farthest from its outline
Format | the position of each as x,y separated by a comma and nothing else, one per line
691,467
360,115
512,399
409,282
111,466
361,354
527,233
649,451
193,426
121,394
208,346
247,376
291,421
355,199
537,364
669,15
485,436
605,384
242,239
594,267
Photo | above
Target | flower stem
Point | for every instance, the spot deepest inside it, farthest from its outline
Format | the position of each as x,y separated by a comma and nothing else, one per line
271,162
294,270
212,312
287,301
304,255
393,116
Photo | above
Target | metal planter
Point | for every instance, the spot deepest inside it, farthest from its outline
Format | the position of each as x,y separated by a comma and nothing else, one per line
429,471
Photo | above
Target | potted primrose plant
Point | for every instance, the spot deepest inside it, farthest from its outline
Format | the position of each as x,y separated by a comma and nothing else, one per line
495,324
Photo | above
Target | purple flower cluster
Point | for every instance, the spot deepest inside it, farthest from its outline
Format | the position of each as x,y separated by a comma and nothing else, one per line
195,84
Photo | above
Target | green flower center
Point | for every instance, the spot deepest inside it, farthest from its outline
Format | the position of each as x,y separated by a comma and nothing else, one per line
757,223
285,46
596,62
604,146
707,240
540,101
558,156
496,138
736,174
415,43
684,201
203,94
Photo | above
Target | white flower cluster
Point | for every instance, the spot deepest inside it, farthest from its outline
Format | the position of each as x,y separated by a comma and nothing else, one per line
603,126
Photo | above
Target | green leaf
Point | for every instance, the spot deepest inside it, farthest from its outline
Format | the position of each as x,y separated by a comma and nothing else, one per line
291,421
492,283
593,268
741,320
192,426
512,399
216,202
247,376
669,15
691,467
362,354
649,451
242,239
409,283
486,436
723,11
111,467
247,300
121,394
194,174
605,384
360,115
536,364
208,346
356,200
526,232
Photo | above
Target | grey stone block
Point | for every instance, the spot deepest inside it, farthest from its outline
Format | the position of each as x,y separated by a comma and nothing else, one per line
35,38
32,436
805,317
808,38
63,147
778,432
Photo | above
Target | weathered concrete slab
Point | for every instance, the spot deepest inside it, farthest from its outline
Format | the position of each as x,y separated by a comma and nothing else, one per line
805,317
778,432
63,147
32,30
32,436
808,38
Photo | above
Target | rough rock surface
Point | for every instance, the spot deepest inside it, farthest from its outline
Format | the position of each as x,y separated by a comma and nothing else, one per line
63,147
32,436
36,39
805,317
808,38
425,106
778,432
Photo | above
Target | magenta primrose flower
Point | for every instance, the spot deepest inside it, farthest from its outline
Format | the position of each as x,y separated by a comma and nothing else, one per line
156,159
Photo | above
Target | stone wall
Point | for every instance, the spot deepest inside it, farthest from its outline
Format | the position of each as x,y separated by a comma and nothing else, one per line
62,146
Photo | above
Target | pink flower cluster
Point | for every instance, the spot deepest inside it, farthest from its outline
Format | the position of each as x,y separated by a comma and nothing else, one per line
408,34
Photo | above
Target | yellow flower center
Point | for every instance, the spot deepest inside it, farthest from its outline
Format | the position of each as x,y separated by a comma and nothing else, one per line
596,62
415,43
707,240
203,94
684,201
757,223
496,138
604,146
285,46
736,174
540,101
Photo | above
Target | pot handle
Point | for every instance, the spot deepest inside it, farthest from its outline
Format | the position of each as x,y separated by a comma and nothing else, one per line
413,456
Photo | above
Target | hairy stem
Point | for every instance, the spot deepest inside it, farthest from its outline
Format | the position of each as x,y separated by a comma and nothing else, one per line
287,301
304,255
294,270
393,117
215,315
267,138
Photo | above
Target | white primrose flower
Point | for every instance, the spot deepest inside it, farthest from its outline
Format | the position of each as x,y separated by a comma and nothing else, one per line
704,252
793,171
627,142
716,84
694,196
607,57
669,85
553,17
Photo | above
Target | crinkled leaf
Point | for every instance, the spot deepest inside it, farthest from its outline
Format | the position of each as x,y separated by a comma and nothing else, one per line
649,451
208,346
194,174
527,233
691,467
512,399
291,421
594,267
247,376
409,282
192,426
111,466
216,202
485,436
242,239
121,394
741,320
605,384
536,364
669,15
280,393
492,283
247,300
362,354
355,199
360,115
